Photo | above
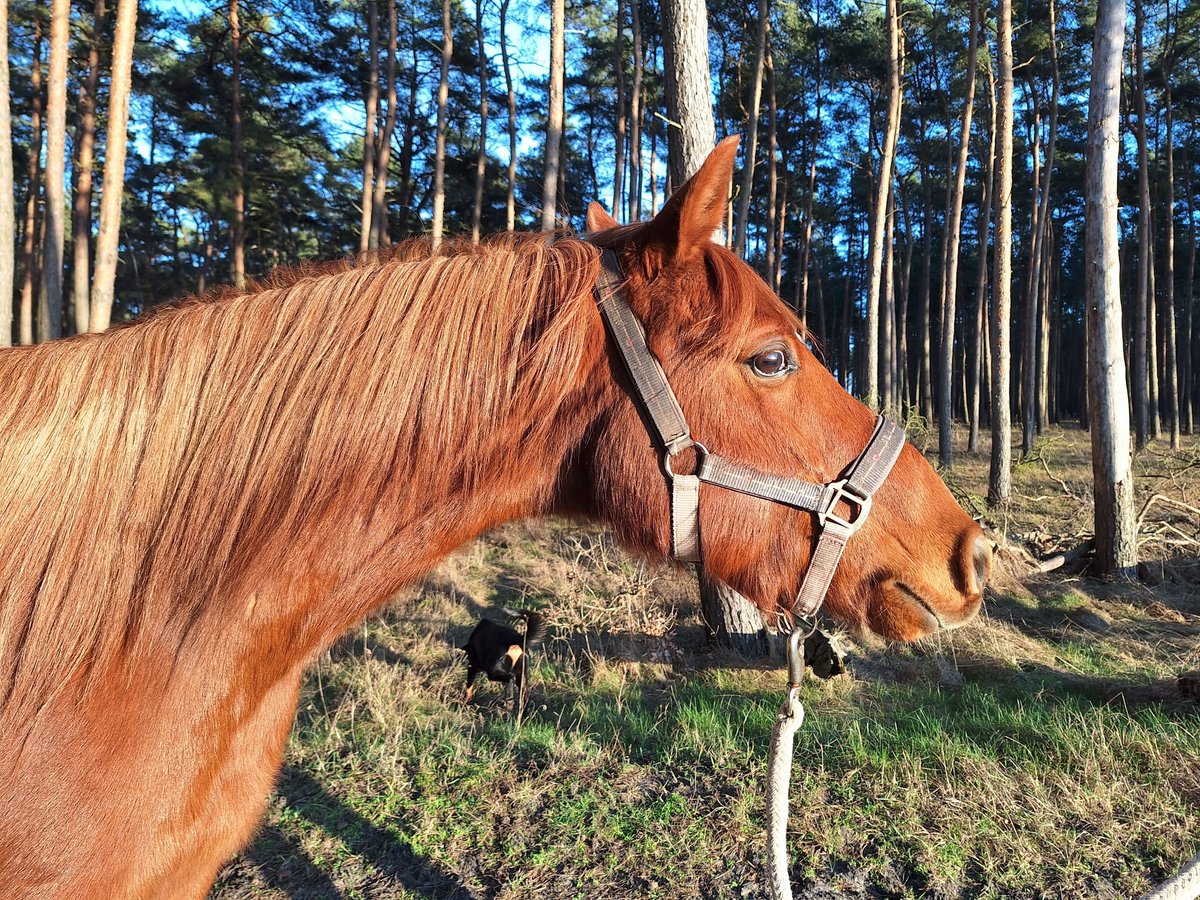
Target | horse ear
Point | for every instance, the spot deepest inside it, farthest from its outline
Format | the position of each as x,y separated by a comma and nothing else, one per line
695,211
598,218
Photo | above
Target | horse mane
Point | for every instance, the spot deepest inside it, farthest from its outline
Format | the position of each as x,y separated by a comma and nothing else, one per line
148,470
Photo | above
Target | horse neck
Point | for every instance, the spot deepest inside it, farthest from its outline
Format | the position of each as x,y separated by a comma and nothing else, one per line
280,463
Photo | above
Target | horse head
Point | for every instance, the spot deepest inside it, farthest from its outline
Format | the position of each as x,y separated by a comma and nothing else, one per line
738,360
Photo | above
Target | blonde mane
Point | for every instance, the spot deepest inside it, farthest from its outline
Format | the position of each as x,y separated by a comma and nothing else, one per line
143,470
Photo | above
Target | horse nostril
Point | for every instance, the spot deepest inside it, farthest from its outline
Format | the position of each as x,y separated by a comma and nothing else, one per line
981,557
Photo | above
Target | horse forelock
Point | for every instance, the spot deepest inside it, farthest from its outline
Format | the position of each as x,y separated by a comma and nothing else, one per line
146,471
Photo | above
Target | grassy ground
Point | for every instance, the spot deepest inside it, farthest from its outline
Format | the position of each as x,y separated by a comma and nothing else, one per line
1042,752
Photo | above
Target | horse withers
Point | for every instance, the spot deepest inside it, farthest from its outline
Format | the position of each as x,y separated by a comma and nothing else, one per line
193,506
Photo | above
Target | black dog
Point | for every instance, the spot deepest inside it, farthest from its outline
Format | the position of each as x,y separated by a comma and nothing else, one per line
499,651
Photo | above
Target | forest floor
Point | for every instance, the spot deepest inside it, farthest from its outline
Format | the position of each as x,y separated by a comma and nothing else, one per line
1042,751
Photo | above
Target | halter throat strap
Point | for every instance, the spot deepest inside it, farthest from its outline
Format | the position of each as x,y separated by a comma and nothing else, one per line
668,427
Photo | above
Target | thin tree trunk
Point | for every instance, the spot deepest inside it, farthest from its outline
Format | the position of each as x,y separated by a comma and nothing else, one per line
238,226
1000,470
1171,370
619,134
879,214
746,186
379,216
481,159
1116,532
772,171
405,191
554,118
635,116
372,114
510,206
950,264
439,159
887,310
8,213
107,237
1188,374
29,242
50,306
1141,315
85,137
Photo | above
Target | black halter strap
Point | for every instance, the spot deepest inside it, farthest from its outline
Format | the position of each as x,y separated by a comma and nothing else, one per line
669,429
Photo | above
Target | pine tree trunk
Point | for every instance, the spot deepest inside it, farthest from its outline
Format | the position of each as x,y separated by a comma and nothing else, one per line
29,241
688,88
8,213
1116,533
618,206
372,114
510,204
746,186
85,138
439,158
379,216
238,225
1141,315
1000,470
980,341
481,159
554,117
50,305
1171,370
635,116
1188,370
879,213
950,264
733,622
772,172
109,232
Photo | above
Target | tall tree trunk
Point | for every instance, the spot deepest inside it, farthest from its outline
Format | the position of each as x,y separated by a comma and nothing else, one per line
980,341
688,88
772,171
887,310
8,213
404,191
50,306
29,241
1188,373
635,116
238,225
85,137
1000,470
814,144
1116,532
108,235
619,133
746,186
510,204
950,263
1171,369
379,216
481,159
1141,315
439,158
879,213
554,117
372,114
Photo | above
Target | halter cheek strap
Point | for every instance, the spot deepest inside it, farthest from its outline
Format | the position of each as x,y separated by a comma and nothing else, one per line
667,426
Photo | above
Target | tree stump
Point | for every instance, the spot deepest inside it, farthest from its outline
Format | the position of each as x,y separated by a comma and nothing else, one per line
733,621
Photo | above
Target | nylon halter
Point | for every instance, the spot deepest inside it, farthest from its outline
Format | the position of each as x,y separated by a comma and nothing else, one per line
668,427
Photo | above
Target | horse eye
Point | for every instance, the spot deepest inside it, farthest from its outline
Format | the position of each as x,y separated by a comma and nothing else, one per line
771,363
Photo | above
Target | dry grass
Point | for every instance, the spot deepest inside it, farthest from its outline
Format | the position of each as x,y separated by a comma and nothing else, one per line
1041,752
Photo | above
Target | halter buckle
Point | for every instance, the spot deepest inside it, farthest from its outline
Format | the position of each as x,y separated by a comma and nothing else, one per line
837,492
669,454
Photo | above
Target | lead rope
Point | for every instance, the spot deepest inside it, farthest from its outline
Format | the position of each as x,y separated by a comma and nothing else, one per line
779,768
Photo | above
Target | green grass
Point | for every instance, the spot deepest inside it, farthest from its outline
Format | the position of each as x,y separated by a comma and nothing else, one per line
635,775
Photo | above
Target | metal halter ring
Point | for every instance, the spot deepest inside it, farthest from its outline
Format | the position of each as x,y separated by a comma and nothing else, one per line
839,491
668,455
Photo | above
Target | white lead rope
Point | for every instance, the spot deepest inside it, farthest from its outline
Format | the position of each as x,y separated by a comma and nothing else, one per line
779,768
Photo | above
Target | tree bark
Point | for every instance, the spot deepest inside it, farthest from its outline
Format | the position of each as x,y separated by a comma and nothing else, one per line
8,213
85,137
1141,315
439,158
554,117
50,306
29,241
238,225
733,621
481,158
950,264
619,133
1000,470
1116,532
372,114
635,116
772,171
379,217
746,186
510,204
108,235
980,341
879,213
691,132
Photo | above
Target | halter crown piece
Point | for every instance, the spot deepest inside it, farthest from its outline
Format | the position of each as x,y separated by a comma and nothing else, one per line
669,429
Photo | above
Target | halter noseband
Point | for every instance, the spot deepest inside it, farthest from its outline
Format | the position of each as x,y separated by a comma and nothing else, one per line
666,423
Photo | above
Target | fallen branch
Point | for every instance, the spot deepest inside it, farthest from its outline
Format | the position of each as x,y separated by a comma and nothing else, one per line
1075,553
1164,499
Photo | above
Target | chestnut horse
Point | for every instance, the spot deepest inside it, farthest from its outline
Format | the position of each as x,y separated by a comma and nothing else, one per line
194,506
